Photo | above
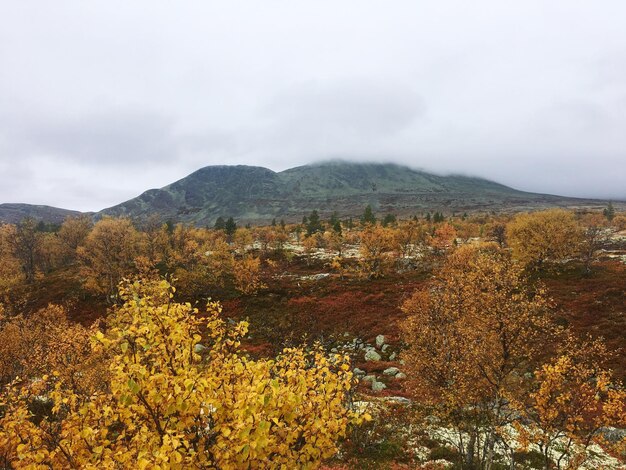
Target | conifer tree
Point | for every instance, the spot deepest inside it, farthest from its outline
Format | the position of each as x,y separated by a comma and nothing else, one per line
230,227
609,212
389,219
219,223
368,217
314,224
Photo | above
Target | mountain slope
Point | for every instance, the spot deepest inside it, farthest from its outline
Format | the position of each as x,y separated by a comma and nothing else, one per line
257,195
14,213
204,195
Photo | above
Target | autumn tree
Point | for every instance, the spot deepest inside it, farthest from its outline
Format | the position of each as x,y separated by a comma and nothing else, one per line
334,241
108,255
619,222
540,237
280,238
466,229
72,234
593,236
181,395
443,237
247,275
184,242
38,344
50,253
497,233
154,243
574,397
265,237
472,336
205,262
242,240
26,245
409,237
376,250
11,273
311,244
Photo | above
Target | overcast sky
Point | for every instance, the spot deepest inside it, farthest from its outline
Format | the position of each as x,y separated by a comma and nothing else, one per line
101,100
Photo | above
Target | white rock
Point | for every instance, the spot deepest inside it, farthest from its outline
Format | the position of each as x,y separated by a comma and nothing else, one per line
372,355
378,386
391,371
399,400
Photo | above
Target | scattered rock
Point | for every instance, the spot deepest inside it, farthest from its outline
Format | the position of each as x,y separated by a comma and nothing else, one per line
372,355
613,434
392,371
400,400
400,376
392,356
358,372
378,386
369,378
380,340
384,348
315,277
198,348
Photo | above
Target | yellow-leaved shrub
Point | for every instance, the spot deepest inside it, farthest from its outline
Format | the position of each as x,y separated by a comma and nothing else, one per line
181,395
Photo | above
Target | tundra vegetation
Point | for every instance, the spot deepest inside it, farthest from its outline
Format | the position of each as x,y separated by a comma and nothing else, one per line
443,340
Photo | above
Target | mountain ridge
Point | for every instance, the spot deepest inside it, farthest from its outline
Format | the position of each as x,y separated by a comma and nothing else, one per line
15,212
257,194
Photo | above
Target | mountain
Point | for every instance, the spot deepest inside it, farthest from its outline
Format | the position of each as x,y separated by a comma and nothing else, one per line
14,213
257,195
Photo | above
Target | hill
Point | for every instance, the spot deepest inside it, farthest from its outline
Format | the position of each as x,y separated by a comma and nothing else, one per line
257,195
14,213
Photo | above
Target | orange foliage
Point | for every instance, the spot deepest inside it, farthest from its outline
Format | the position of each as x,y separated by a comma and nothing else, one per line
376,250
471,338
47,341
444,237
547,236
247,271
108,255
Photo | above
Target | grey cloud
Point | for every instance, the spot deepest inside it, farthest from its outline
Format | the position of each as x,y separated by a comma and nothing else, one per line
353,108
318,120
100,101
101,138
